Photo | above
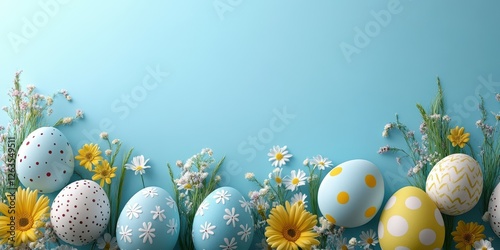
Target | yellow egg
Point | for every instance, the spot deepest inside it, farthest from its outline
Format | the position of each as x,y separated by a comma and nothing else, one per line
411,220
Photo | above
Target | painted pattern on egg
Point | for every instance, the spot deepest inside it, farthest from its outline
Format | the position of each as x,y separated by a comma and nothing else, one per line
351,194
401,226
223,221
455,184
80,212
494,210
45,160
149,220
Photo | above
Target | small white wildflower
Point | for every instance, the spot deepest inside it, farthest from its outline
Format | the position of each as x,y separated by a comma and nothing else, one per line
353,241
217,178
385,133
179,163
68,97
249,176
49,100
446,118
67,120
115,141
79,113
104,135
108,152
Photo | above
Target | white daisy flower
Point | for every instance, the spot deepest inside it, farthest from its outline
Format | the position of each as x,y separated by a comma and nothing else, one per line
125,234
221,196
134,211
231,216
159,213
245,232
321,163
483,245
279,156
230,245
147,232
207,230
276,176
299,198
296,180
368,239
107,242
138,165
341,244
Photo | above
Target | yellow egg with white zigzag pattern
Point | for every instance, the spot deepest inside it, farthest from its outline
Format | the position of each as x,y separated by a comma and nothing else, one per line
455,184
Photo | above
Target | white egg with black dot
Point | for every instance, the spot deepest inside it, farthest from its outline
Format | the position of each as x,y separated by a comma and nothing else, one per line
80,212
45,160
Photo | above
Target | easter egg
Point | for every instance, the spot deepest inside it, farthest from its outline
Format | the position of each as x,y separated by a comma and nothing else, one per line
494,210
45,160
223,220
411,220
455,184
149,220
80,212
351,194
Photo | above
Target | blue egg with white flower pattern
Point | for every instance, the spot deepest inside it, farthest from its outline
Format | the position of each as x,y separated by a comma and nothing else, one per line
149,220
223,221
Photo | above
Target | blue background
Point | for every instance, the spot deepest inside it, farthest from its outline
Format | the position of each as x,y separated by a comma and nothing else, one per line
224,76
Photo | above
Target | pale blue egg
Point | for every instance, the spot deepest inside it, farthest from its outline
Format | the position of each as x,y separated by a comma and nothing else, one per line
351,194
223,221
45,160
149,220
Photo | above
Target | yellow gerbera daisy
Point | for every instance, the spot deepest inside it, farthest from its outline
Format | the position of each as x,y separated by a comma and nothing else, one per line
89,155
20,222
458,137
467,233
291,227
104,172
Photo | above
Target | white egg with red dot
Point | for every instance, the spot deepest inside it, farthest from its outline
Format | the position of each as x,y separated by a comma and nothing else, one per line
44,161
80,212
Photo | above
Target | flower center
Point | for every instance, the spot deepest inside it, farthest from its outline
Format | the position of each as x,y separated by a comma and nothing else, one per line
279,156
344,247
291,233
484,248
89,156
25,223
107,246
300,203
188,186
139,168
105,172
468,238
295,181
369,240
278,180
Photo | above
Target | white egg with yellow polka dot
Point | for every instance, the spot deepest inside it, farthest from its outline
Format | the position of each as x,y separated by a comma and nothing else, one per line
411,220
351,194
